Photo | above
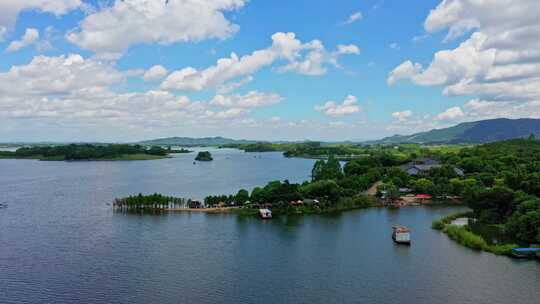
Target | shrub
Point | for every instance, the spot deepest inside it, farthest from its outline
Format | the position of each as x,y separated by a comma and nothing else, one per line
437,225
505,249
465,237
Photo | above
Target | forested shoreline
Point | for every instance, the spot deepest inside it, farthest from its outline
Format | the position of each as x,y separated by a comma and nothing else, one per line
79,152
499,181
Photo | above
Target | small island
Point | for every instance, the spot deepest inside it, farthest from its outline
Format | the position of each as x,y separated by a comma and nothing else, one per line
204,156
86,152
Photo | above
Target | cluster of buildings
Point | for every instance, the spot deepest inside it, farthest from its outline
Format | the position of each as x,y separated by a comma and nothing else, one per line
418,167
422,167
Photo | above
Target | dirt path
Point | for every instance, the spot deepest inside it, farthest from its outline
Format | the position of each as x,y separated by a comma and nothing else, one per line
373,189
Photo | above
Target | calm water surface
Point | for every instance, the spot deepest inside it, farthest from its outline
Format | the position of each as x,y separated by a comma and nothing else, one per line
61,243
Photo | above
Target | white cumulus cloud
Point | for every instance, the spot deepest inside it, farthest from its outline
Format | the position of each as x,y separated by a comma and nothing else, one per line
154,73
334,109
402,115
285,46
453,113
111,31
252,99
499,59
31,35
10,9
82,94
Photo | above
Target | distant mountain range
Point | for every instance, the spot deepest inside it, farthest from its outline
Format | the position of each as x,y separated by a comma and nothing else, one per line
194,142
471,132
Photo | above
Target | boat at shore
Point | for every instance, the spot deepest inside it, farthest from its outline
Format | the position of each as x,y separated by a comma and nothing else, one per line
401,235
524,253
265,213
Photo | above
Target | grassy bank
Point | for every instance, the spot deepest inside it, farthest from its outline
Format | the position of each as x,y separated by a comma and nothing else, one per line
464,236
441,223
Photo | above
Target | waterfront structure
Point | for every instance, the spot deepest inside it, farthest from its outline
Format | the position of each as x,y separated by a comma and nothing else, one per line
265,213
401,234
525,252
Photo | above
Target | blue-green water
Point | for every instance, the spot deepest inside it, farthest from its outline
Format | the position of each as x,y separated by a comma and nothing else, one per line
61,243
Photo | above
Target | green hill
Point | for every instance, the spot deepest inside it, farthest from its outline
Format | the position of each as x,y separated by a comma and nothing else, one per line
471,132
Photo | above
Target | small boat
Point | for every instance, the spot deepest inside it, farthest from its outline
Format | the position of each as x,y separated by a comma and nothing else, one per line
525,252
401,235
265,213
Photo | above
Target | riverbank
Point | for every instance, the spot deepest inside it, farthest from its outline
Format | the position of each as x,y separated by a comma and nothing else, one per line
464,236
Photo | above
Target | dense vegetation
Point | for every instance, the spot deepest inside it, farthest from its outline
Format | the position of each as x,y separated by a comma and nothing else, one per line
327,191
343,151
255,147
502,190
506,190
204,156
87,152
500,180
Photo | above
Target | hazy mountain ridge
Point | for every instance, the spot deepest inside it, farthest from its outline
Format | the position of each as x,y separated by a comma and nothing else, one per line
191,141
471,132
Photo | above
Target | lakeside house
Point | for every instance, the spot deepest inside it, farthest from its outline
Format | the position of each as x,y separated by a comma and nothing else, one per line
307,201
422,166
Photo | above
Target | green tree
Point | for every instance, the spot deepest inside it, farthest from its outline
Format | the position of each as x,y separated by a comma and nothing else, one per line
241,197
317,173
422,185
257,195
524,224
324,189
332,168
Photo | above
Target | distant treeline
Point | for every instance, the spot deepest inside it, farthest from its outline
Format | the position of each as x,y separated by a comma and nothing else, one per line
306,149
85,152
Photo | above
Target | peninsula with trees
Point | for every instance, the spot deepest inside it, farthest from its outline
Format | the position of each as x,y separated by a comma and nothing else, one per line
498,181
82,152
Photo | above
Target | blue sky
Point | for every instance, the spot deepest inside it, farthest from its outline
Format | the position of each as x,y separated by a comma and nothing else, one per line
352,70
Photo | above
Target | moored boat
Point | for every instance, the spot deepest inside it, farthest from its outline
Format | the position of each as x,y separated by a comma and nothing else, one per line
526,252
265,213
401,235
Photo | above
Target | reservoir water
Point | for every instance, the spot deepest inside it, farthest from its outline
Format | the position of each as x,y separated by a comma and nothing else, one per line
61,243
